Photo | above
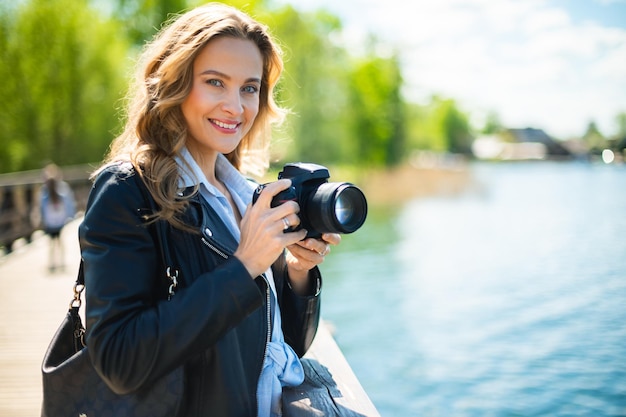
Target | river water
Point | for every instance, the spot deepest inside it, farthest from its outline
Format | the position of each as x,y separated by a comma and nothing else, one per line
508,299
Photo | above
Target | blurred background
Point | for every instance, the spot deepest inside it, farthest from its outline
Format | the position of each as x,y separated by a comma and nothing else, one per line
488,136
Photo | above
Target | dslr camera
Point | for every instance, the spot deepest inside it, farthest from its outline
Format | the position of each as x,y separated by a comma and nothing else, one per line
325,207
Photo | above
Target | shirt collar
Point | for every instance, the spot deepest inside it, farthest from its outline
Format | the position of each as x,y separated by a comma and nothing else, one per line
191,175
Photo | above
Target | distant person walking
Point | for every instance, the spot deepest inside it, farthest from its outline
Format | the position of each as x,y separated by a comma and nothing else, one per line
57,208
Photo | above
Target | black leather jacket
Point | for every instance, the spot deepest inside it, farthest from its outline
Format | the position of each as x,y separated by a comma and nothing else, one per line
216,323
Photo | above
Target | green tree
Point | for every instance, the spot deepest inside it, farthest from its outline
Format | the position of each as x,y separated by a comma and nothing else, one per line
422,132
141,19
440,126
492,124
63,69
595,141
455,127
313,87
620,120
620,137
377,110
64,63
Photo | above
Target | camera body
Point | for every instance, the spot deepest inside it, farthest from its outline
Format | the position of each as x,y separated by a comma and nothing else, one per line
325,207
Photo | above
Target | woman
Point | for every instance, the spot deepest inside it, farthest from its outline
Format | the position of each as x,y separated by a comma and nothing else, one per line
57,207
247,301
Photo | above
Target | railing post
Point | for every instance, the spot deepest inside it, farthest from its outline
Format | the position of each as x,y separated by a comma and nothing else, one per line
19,203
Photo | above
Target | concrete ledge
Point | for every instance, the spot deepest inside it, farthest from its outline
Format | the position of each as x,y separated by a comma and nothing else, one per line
330,387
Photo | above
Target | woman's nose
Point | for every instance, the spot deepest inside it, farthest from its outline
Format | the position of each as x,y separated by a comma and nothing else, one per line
232,103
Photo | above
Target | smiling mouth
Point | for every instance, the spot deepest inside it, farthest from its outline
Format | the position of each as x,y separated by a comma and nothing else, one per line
229,126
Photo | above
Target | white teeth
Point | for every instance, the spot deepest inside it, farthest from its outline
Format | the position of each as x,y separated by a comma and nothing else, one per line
224,125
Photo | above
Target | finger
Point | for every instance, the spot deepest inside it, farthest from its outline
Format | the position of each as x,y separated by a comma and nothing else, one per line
306,256
299,262
288,209
332,238
293,238
290,222
286,223
268,191
315,245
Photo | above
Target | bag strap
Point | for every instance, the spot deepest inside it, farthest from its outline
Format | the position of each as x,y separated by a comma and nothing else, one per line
163,242
164,251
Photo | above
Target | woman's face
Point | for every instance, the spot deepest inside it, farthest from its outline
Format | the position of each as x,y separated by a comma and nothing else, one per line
224,98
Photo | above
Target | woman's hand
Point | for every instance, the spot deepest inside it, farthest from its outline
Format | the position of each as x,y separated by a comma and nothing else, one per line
304,255
262,229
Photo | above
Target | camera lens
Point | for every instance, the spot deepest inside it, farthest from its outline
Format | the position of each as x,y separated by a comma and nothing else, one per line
347,207
337,208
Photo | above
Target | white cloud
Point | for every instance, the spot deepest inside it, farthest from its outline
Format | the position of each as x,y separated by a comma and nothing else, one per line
607,2
527,60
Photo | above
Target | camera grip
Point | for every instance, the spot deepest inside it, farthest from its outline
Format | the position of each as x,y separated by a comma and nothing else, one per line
286,195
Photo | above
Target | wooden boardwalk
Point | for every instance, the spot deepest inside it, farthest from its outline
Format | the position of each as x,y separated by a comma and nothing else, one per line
33,302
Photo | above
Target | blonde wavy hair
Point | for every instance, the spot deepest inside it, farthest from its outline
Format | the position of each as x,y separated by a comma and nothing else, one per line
155,129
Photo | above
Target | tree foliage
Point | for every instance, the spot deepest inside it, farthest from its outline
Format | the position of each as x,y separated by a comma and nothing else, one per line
594,139
454,127
378,113
142,18
65,70
440,126
312,87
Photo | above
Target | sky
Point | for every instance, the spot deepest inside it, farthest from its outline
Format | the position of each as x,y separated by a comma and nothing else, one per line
555,65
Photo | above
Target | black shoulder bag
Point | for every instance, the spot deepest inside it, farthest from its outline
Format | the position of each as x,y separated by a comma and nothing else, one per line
73,388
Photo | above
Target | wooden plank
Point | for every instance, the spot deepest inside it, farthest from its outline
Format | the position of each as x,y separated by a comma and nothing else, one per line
33,303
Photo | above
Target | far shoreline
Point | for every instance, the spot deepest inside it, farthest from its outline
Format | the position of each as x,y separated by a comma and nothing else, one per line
390,186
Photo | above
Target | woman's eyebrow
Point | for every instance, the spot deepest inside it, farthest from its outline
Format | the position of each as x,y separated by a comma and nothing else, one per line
226,76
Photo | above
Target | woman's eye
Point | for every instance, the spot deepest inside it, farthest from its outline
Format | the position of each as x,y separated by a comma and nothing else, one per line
251,89
214,82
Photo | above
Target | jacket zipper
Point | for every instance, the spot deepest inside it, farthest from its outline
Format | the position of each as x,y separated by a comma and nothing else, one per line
268,336
268,300
225,256
269,314
214,249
